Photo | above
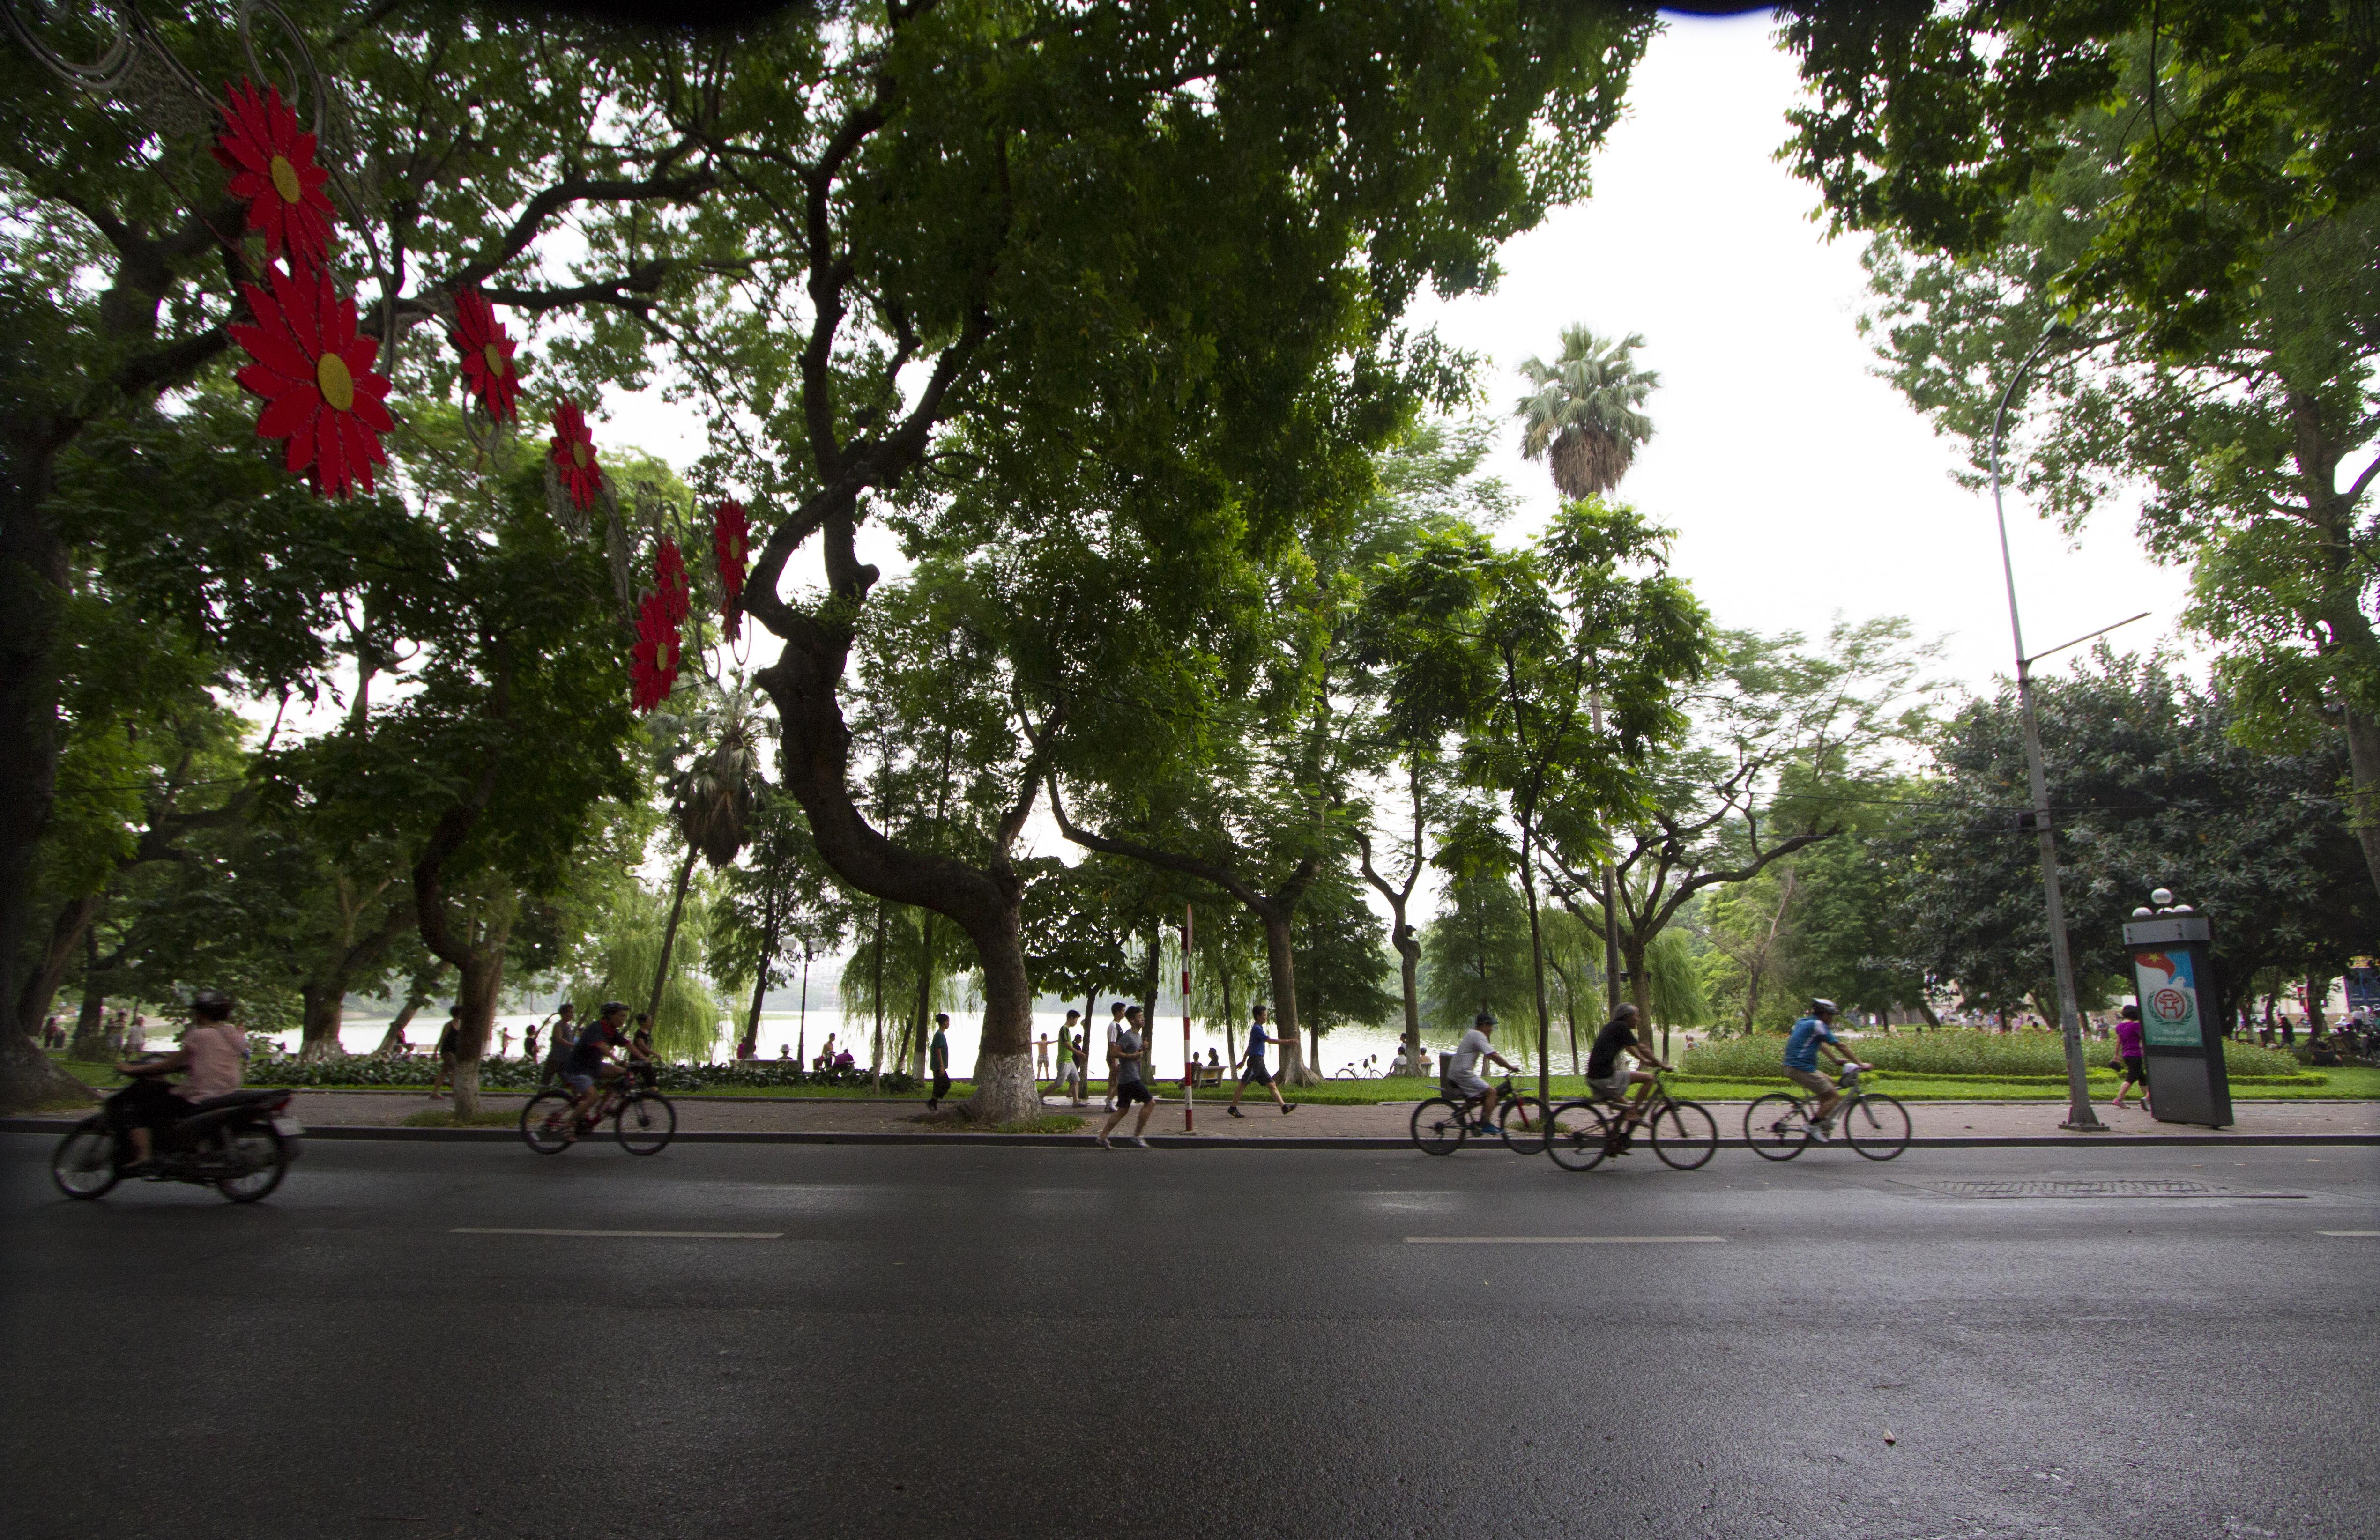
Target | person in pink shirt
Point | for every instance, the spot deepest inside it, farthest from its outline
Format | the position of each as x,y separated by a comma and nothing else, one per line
2129,1057
212,1057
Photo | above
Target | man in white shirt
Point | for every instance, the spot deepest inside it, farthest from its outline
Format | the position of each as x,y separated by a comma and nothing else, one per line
1464,1073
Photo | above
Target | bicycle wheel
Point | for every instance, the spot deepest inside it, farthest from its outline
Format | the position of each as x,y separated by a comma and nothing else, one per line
1776,1127
1685,1136
645,1122
1875,1124
545,1121
84,1165
1521,1122
1577,1135
1438,1126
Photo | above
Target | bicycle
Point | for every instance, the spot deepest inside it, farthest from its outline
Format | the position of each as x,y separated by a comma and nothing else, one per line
1580,1135
1780,1125
1441,1124
642,1119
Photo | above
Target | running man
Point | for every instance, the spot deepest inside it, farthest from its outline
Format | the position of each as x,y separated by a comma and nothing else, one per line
1127,1084
1115,1030
1065,1064
1252,1069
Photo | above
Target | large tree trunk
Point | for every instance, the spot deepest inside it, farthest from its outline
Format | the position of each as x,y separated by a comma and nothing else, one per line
89,1045
1409,979
1537,971
2363,776
478,991
1295,1070
324,1002
73,921
669,939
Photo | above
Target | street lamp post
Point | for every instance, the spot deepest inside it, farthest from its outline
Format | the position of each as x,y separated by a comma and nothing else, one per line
2080,1117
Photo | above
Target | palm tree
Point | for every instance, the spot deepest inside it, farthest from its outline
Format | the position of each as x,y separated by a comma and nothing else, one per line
1583,415
1584,418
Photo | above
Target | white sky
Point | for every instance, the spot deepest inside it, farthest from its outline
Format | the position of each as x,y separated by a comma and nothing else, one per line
1800,483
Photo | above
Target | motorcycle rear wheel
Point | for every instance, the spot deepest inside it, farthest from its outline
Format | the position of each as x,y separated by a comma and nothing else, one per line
84,1165
260,1147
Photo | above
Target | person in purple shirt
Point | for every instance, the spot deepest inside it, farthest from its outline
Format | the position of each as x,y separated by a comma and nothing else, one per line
2127,1056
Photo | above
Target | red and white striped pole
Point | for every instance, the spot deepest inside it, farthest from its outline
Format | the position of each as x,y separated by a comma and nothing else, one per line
1189,1063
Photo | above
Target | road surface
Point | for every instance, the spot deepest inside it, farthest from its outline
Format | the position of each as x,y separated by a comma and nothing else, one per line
984,1342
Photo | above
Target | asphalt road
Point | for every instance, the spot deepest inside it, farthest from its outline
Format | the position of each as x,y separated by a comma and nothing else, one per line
1039,1342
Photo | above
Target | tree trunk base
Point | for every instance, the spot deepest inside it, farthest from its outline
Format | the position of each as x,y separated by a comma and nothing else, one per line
29,1082
465,1092
1005,1091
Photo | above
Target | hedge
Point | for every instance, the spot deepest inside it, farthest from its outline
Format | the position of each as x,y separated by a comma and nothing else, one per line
519,1074
1956,1051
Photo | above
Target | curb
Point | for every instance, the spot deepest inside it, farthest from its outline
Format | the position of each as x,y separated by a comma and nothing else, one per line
1222,1141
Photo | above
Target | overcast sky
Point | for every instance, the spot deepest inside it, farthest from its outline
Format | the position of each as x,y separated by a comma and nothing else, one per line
1801,485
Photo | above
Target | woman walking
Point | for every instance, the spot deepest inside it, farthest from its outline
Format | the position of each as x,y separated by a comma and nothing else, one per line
2128,1058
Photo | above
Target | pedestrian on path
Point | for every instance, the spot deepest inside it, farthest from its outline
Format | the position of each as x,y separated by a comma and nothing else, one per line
1252,1068
505,1043
1041,1057
565,1038
1066,1065
1125,1084
940,1054
2130,1060
450,1047
1115,1031
1082,1070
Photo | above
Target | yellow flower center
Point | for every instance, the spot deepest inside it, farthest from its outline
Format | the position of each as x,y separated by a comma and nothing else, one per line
495,356
284,180
578,453
338,387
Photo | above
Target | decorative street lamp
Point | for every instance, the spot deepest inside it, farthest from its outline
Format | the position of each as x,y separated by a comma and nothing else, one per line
2080,1117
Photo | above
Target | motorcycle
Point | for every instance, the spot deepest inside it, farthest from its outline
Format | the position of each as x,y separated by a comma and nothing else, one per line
241,1145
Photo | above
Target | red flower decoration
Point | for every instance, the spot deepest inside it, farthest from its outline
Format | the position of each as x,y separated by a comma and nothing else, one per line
272,166
574,456
652,662
487,350
731,541
669,576
316,377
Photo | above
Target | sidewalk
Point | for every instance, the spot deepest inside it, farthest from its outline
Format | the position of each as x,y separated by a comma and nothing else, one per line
367,1114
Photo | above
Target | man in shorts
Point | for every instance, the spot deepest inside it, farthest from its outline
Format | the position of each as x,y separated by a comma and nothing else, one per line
590,1064
557,1053
1115,1030
1810,1033
1252,1069
1065,1063
1128,1084
1610,1079
1462,1075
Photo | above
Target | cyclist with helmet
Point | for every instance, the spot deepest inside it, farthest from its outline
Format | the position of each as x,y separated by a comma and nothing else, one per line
1462,1074
590,1066
213,1055
1812,1033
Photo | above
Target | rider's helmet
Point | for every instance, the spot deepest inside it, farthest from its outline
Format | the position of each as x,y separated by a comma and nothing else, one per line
1484,1021
612,1007
211,1005
1824,1008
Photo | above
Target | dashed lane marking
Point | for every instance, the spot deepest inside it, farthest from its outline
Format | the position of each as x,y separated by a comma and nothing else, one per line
627,1234
1563,1239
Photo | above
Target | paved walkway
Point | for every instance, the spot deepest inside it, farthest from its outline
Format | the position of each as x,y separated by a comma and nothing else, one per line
1931,1119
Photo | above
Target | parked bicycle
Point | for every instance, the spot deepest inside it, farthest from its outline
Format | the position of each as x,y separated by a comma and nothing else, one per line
642,1119
1441,1124
1781,1125
1581,1135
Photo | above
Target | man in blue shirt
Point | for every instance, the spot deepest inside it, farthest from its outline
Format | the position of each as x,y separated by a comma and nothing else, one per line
1810,1033
1252,1068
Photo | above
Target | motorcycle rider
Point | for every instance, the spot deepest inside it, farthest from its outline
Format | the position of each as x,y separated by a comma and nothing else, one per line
213,1052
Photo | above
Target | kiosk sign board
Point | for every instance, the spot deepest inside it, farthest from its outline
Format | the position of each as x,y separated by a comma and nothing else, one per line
2182,1046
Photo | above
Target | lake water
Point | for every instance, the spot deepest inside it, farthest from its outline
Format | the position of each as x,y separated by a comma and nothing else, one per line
1341,1048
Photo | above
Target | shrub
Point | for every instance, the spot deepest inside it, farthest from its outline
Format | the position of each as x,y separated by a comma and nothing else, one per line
519,1074
1957,1050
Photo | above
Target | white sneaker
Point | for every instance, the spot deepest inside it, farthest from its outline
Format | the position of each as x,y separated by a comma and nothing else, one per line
1141,1140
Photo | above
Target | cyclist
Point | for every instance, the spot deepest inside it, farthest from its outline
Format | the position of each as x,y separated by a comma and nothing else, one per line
590,1066
1810,1033
1462,1074
1609,1079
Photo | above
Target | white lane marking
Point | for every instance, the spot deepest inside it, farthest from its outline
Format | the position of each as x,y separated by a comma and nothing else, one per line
642,1234
2361,1232
1564,1240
